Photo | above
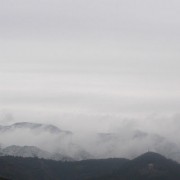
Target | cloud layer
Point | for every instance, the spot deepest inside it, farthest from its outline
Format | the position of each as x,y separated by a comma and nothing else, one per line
93,67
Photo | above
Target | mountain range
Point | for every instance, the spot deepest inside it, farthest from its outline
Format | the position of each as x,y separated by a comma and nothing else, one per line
149,166
32,151
28,139
33,127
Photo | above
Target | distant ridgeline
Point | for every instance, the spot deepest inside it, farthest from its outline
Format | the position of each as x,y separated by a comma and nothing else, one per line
149,166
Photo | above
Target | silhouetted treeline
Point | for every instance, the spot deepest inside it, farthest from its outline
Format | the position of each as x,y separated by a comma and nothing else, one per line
149,166
17,168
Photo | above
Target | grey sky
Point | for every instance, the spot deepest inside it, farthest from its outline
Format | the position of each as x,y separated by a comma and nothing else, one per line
90,56
92,66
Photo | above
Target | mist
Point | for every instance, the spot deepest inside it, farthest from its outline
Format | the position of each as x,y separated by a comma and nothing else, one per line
104,136
107,71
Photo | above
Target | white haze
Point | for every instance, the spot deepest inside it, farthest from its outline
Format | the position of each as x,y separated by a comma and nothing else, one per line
92,66
103,136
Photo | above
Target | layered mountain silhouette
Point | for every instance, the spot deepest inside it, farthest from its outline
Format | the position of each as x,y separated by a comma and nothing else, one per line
33,127
27,139
149,166
63,143
32,151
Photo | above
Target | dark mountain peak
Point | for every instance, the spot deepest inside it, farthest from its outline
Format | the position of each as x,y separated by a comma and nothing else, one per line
150,166
150,157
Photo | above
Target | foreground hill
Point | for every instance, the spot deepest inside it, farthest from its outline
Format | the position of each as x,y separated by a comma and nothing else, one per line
149,166
2,178
18,168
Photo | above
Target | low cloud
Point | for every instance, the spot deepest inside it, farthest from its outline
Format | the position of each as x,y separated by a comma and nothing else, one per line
103,136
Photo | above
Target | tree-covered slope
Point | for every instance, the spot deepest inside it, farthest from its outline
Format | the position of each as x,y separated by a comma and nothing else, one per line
17,168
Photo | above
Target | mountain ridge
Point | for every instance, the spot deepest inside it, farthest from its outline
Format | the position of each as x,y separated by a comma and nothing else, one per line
32,151
149,166
33,126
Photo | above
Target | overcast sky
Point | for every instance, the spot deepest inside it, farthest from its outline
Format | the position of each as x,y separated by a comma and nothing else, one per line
89,57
